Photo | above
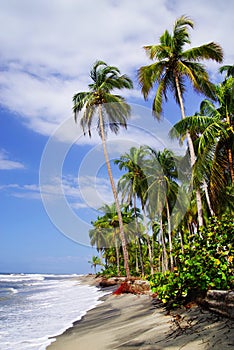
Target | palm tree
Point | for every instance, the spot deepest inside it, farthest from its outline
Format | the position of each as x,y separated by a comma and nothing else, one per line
133,184
228,69
107,110
163,188
112,221
213,138
94,262
173,67
111,226
225,94
97,234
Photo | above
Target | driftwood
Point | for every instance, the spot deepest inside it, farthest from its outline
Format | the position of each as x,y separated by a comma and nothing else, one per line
220,302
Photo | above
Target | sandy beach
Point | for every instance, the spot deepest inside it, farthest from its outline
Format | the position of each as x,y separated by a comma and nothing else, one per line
137,322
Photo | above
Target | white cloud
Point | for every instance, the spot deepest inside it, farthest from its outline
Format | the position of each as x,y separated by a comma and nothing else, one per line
83,192
48,47
8,164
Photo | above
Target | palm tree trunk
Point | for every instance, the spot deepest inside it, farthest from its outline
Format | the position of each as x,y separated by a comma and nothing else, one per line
229,150
117,253
192,155
169,234
149,245
208,198
181,242
137,264
139,240
230,160
100,253
164,251
121,229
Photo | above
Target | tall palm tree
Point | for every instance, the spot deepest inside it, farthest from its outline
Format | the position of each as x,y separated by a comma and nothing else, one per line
214,139
173,67
225,94
133,184
163,188
107,110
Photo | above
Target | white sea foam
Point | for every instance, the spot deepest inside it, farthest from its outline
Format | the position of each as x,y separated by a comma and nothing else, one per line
42,310
21,277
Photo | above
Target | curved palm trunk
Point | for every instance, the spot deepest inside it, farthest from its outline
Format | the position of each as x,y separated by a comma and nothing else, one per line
169,234
121,229
192,155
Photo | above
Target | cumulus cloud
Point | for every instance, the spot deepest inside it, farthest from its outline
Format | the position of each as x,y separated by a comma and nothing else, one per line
48,47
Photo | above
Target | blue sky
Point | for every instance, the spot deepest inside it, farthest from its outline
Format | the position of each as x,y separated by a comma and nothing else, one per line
52,179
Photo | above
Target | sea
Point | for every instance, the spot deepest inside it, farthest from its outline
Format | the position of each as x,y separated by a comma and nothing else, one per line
34,308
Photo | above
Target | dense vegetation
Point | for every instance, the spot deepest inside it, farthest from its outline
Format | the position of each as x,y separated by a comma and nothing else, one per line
174,229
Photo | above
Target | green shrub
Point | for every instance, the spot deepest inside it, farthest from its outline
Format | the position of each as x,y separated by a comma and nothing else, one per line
207,263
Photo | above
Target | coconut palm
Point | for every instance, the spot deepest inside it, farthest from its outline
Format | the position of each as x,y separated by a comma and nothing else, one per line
225,94
97,234
163,188
99,105
214,139
94,262
112,221
133,184
228,69
173,67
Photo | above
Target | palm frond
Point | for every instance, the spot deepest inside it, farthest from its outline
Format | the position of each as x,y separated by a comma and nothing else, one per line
157,102
180,32
199,78
208,108
210,51
196,124
228,69
79,102
149,75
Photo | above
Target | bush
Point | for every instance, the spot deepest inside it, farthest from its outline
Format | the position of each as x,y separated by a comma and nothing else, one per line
207,263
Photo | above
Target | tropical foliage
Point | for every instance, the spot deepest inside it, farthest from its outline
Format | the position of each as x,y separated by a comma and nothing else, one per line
99,105
207,263
174,229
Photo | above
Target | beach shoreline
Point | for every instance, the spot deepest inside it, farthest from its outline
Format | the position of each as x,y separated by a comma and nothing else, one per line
130,321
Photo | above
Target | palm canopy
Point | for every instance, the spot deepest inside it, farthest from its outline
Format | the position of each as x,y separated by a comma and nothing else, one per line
174,65
115,110
161,174
133,182
213,137
228,69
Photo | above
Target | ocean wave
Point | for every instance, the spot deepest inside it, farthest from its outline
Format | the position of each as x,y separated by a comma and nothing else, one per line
21,278
43,310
